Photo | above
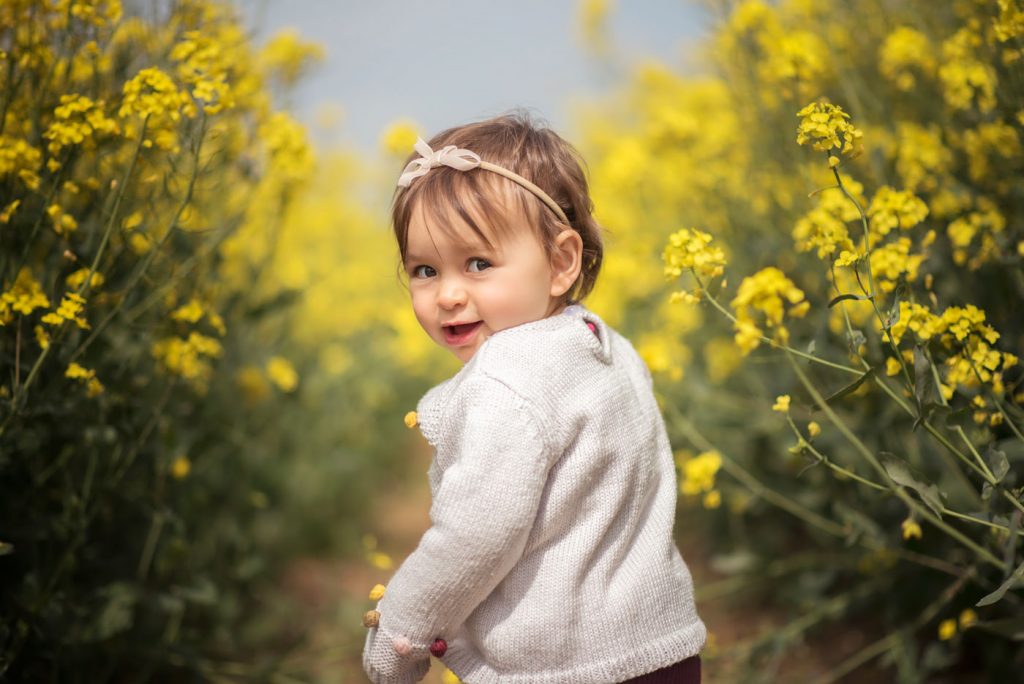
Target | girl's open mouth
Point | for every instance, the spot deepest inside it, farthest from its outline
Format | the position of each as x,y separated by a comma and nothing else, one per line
460,334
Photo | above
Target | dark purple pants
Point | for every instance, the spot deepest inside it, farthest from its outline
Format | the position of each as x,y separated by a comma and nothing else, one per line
684,672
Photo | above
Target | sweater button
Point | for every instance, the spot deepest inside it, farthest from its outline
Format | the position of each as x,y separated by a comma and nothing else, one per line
438,648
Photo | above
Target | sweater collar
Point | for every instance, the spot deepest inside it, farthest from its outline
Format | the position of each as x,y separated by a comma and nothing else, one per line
431,406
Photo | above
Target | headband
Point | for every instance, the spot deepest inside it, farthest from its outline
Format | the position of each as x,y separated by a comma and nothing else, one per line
464,160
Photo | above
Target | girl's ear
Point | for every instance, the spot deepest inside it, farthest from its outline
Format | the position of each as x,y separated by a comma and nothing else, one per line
566,261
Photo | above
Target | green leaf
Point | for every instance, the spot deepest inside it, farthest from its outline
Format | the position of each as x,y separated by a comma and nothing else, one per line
843,297
203,592
923,386
855,339
996,595
997,463
1011,628
850,388
900,473
117,614
893,316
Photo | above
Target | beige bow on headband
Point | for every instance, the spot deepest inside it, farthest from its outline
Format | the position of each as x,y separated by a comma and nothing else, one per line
464,160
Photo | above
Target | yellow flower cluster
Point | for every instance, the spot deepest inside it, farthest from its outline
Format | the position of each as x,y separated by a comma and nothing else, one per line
194,310
689,249
77,119
17,156
767,291
187,357
285,140
152,95
905,53
95,12
827,127
77,372
921,156
399,137
790,60
203,65
966,78
287,57
76,279
699,477
948,628
282,373
781,403
1010,22
967,326
892,208
70,309
25,296
824,228
63,223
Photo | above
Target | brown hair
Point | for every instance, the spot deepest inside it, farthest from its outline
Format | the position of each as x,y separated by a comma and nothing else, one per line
536,153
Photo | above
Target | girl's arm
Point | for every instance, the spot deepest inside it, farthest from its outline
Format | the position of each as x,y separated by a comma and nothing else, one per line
481,516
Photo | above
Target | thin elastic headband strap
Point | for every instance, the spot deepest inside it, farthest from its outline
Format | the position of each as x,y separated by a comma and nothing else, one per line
464,160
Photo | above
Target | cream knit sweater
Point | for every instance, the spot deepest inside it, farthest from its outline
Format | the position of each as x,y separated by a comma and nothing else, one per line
550,557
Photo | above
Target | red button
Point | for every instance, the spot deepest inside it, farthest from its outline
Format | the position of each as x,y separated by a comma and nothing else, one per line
438,648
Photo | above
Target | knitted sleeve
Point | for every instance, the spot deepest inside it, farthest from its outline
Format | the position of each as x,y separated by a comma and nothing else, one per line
481,515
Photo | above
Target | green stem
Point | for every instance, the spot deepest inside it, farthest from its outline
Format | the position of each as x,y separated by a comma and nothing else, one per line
773,343
1006,418
922,511
889,641
824,460
753,484
18,398
151,255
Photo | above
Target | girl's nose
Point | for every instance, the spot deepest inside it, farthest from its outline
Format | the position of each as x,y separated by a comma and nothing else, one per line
451,293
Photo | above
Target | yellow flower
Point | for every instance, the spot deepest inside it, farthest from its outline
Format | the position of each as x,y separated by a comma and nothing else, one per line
689,249
380,560
826,127
77,120
377,592
904,52
813,429
699,472
24,297
967,618
70,308
190,312
713,499
410,419
781,403
287,56
75,280
180,468
42,337
767,291
399,137
282,373
77,372
911,529
947,629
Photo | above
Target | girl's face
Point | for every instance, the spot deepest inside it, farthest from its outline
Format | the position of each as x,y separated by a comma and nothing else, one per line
464,293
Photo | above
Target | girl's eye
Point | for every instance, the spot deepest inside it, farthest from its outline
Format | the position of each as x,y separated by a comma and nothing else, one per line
427,271
483,264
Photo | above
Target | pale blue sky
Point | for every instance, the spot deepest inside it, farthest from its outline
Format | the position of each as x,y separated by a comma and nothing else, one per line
446,62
